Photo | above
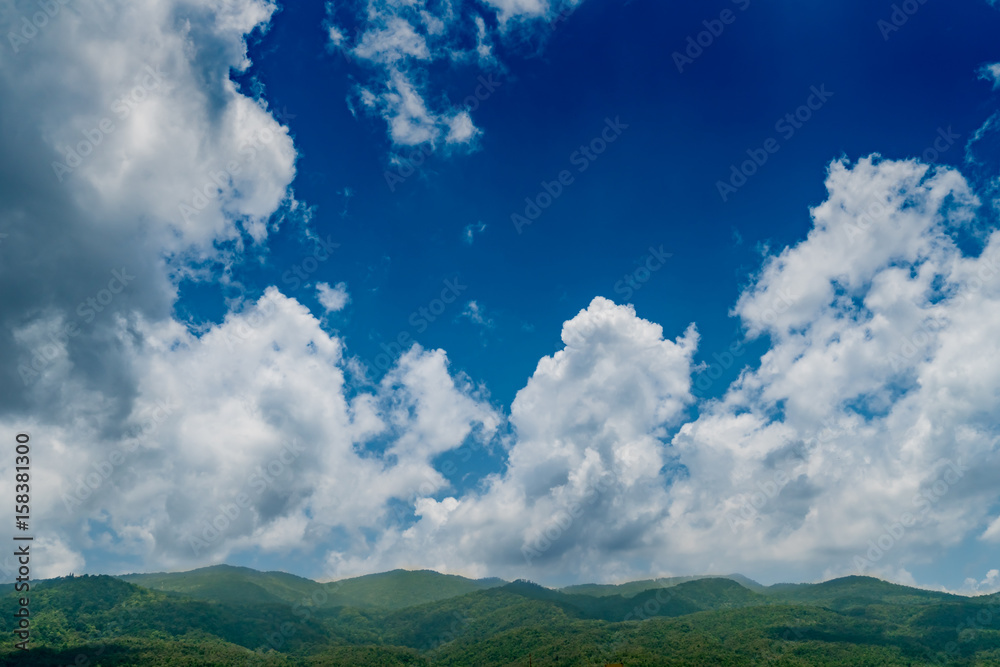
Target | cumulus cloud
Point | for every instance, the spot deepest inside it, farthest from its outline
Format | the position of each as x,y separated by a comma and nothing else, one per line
128,160
989,584
248,437
333,298
872,401
122,174
590,433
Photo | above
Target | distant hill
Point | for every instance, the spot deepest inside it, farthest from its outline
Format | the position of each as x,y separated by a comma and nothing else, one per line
388,590
403,588
227,583
633,587
854,591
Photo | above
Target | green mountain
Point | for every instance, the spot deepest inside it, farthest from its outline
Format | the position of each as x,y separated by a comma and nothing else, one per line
403,588
855,591
237,616
631,588
226,583
388,590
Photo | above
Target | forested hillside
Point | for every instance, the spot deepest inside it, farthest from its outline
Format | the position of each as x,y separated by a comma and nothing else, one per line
237,616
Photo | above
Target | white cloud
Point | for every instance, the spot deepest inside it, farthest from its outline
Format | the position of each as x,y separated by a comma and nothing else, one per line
470,231
477,315
333,298
992,533
128,150
53,558
991,73
460,129
256,408
989,584
590,428
508,9
397,42
872,404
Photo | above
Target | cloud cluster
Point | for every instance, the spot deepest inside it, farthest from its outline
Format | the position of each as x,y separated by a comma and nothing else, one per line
262,447
128,160
864,441
399,42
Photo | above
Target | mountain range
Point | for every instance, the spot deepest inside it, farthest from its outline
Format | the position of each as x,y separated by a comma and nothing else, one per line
225,615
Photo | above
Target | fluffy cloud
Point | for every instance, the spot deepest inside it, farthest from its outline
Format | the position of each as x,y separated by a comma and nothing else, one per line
248,437
873,405
864,440
584,475
332,298
128,159
990,584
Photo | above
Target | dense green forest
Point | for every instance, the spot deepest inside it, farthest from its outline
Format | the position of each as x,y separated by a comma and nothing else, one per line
226,615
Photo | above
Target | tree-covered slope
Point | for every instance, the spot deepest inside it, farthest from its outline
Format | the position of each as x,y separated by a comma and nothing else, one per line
403,588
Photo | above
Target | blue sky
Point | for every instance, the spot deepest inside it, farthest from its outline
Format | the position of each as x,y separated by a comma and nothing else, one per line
789,191
655,187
